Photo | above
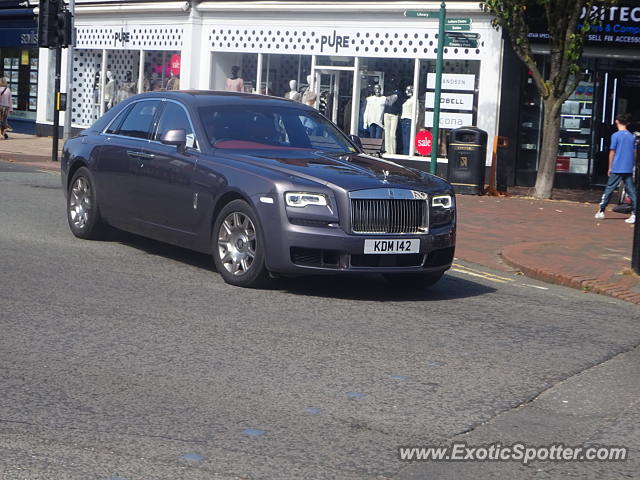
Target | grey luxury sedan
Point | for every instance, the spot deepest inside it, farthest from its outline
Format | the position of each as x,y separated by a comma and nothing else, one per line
267,186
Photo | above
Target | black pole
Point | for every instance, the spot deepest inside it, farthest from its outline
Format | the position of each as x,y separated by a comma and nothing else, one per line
56,111
635,252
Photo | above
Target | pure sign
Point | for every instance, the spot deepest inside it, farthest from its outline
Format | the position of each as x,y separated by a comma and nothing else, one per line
424,142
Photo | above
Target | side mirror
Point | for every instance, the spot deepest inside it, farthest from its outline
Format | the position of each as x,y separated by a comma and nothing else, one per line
356,139
176,137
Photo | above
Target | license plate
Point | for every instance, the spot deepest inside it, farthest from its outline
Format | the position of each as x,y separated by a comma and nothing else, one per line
391,246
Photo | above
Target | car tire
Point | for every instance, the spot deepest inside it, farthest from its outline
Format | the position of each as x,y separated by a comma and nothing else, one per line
83,213
413,281
238,246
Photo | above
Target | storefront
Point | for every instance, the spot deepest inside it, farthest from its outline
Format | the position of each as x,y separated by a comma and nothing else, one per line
19,62
116,56
363,64
609,84
367,67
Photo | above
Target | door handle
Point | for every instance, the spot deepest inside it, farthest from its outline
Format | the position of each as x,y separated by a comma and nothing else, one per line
140,155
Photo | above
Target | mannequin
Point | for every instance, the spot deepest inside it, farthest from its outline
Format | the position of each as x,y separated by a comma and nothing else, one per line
97,86
392,111
234,82
110,91
374,113
173,83
146,83
406,118
293,93
309,96
128,88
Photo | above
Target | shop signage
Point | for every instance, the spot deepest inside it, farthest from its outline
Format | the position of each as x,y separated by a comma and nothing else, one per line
174,64
453,81
121,38
424,142
451,101
334,41
620,25
449,119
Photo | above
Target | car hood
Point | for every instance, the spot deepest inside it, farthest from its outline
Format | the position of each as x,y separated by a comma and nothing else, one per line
349,171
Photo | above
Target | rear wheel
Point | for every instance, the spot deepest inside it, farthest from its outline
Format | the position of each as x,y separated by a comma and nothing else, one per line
238,250
413,281
83,213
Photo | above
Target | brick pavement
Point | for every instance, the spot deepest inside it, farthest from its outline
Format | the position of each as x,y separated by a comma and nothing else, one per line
552,240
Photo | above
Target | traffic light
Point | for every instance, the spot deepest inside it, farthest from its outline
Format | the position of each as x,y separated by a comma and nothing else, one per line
55,24
64,28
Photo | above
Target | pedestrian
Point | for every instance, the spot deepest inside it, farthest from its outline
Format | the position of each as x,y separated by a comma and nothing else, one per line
622,158
6,107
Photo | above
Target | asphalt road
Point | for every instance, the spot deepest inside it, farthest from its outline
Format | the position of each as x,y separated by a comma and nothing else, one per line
130,359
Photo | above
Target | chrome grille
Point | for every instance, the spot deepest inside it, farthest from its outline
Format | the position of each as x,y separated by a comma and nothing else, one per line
389,216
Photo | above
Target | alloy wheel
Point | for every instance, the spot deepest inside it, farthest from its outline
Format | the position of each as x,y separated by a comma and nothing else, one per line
80,202
237,243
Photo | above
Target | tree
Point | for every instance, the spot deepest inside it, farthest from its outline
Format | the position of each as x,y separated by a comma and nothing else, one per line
568,23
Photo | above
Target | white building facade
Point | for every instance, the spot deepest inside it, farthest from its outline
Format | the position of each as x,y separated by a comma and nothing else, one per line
340,55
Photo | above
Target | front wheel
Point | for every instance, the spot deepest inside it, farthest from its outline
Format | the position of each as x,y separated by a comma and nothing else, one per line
238,249
413,281
83,214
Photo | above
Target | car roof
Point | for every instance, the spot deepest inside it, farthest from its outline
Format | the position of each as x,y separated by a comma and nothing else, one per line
199,98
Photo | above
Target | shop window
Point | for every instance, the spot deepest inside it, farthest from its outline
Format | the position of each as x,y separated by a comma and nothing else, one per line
458,97
19,66
383,111
161,71
234,71
280,70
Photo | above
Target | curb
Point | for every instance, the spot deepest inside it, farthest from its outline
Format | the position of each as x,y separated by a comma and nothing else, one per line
35,162
579,282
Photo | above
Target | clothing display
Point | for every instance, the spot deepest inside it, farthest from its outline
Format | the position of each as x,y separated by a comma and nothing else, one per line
406,118
309,97
235,85
374,115
392,110
110,92
391,121
173,83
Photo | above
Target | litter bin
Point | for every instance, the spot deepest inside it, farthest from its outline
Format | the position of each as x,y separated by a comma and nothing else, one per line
466,156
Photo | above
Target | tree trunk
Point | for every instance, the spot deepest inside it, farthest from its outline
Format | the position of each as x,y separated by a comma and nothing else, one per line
549,149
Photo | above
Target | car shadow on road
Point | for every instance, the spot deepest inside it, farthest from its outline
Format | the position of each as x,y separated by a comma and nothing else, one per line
363,287
376,288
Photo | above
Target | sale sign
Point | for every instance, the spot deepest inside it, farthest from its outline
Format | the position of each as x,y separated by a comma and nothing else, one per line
424,142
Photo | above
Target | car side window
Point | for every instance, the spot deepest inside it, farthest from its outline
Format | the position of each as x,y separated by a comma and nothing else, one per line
139,120
174,117
115,124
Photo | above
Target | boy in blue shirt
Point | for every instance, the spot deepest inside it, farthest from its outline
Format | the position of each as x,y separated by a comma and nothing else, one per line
622,158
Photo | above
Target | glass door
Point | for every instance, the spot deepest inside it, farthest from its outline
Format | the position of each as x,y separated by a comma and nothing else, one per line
335,94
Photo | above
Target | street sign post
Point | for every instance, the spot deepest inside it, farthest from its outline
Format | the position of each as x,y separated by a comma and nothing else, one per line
460,43
436,101
461,39
421,14
458,21
457,28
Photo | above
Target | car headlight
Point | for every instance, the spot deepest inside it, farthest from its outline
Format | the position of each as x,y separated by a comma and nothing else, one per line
442,201
302,199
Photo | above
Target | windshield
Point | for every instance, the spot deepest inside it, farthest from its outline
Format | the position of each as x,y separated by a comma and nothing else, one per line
243,127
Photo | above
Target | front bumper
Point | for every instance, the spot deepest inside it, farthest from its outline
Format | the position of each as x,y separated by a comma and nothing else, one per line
317,250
